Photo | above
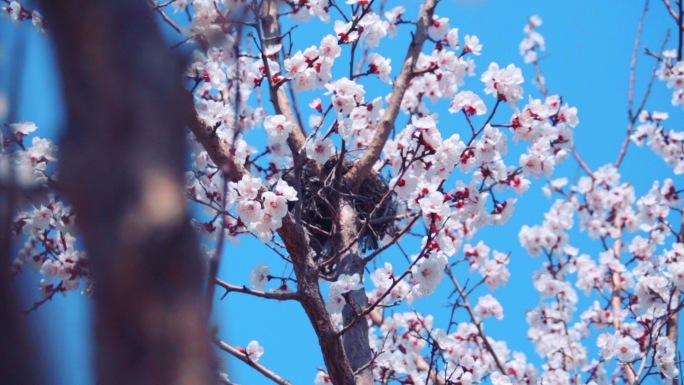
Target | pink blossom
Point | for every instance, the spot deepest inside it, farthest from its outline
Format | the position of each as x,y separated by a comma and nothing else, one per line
488,306
23,128
472,44
468,102
329,47
429,273
503,83
259,276
277,127
275,205
320,149
254,351
248,188
287,191
249,211
439,27
452,38
381,66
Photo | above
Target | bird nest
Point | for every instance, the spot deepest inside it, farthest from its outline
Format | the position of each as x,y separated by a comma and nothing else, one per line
321,191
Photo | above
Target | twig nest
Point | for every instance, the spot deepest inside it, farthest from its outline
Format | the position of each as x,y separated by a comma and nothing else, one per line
320,194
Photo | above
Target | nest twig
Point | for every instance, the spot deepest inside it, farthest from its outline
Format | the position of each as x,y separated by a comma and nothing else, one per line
320,192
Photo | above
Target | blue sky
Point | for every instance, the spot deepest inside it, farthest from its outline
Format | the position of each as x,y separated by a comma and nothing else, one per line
589,47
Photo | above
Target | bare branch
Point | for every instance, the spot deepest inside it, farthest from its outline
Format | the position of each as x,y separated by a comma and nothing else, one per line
271,375
269,36
632,67
633,115
581,162
242,289
671,10
215,258
392,241
630,96
476,321
164,16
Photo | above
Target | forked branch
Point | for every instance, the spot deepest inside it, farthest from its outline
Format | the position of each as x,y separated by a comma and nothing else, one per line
362,167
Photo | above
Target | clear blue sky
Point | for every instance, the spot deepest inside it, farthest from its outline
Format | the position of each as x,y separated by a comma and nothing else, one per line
589,47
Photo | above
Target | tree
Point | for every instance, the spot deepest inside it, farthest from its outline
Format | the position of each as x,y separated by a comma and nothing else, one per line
341,203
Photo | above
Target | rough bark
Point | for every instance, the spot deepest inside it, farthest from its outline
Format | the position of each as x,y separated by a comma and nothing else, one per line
122,169
355,339
306,269
281,104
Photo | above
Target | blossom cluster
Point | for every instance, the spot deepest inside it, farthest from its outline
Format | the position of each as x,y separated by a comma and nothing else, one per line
16,12
672,72
257,209
668,144
533,41
43,223
401,339
638,295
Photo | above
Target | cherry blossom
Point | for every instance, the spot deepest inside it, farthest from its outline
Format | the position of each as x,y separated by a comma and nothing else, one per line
259,276
278,127
468,102
254,351
23,128
429,273
503,83
488,306
320,149
472,44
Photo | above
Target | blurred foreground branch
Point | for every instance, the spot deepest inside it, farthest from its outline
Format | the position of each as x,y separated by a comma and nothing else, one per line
122,169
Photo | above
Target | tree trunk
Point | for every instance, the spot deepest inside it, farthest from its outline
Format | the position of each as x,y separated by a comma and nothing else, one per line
355,339
122,169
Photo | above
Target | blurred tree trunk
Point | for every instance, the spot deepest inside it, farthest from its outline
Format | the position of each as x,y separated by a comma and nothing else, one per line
122,169
18,362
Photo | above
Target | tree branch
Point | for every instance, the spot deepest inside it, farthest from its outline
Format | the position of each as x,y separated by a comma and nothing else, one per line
269,36
271,375
476,321
220,152
630,96
242,289
363,166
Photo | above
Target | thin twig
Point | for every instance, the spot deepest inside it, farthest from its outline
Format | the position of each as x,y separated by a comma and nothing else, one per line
362,167
166,18
632,79
268,373
242,289
476,321
581,163
681,30
671,10
632,67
